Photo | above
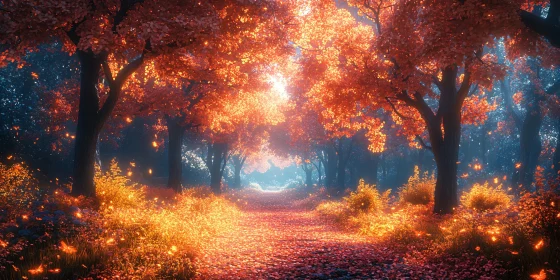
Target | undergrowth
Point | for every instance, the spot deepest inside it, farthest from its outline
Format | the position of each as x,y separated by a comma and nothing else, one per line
131,232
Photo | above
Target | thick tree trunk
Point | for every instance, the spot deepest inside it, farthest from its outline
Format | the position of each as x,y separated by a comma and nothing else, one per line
174,154
445,143
216,170
446,183
87,129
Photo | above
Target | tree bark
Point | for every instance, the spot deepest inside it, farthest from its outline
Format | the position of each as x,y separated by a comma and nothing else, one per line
87,129
174,154
556,158
530,145
330,168
308,177
238,162
341,171
445,144
219,151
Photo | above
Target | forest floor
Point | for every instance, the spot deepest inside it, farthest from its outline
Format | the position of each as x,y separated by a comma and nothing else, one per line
277,240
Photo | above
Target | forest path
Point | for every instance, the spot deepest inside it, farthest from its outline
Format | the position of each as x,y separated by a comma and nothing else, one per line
275,240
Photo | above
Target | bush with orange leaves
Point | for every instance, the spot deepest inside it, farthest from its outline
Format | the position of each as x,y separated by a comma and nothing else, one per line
485,197
126,235
520,238
18,190
366,199
115,190
418,189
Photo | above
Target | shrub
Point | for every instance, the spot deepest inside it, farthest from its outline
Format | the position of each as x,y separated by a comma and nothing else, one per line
366,199
130,237
418,189
333,209
485,197
17,191
115,190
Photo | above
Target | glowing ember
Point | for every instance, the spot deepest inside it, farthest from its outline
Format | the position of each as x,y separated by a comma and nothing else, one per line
539,244
37,270
67,249
539,276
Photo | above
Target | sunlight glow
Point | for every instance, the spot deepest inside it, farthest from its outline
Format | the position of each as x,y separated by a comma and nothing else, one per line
279,85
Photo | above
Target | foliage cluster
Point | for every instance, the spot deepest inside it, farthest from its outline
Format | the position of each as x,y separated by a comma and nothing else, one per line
483,197
518,237
131,232
418,189
17,190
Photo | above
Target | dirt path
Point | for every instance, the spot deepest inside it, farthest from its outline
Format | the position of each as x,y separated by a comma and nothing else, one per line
275,241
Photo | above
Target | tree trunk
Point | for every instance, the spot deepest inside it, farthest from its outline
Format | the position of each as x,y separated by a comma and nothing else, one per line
445,143
87,129
174,154
238,162
530,146
308,177
330,168
374,159
341,171
216,170
556,158
318,166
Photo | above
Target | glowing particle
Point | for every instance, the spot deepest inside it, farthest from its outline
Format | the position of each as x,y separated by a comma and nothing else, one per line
128,120
150,171
67,249
477,248
37,270
154,144
540,276
539,244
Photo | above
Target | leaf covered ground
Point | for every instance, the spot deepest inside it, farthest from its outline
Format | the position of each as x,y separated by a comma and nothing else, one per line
277,240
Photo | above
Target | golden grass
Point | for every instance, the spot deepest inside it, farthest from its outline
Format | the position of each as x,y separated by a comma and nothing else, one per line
483,197
418,189
136,233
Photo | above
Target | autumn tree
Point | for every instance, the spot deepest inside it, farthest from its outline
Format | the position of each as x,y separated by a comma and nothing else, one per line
112,40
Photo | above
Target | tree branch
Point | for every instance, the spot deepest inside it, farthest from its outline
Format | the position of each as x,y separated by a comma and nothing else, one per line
542,26
422,143
397,111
